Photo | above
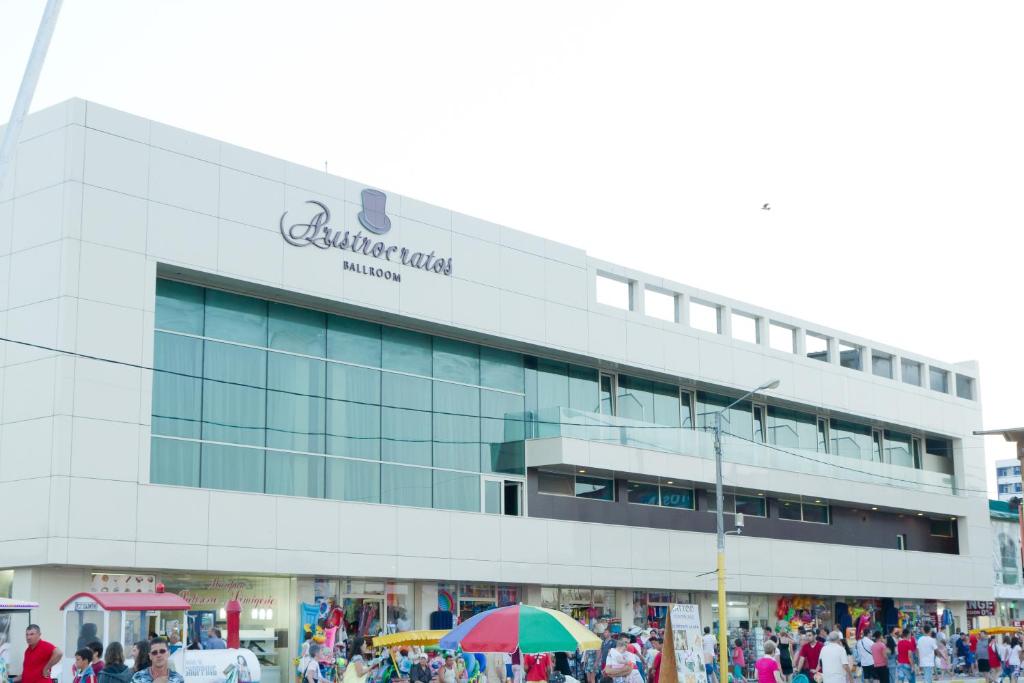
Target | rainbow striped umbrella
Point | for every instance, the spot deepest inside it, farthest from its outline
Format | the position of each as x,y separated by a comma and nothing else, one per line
530,629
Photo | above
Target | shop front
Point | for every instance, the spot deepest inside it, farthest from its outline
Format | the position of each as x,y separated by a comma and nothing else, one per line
651,608
362,607
467,599
586,605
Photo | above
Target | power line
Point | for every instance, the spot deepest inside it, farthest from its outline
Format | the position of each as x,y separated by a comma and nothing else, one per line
525,420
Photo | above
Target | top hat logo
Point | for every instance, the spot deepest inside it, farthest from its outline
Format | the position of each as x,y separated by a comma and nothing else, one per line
373,217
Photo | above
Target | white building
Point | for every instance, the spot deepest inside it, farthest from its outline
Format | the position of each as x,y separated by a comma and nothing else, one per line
422,410
1008,479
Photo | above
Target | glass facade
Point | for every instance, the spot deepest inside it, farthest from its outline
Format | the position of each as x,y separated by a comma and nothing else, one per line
260,396
251,395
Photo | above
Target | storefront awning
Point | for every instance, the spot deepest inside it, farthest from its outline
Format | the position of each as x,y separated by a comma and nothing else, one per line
133,602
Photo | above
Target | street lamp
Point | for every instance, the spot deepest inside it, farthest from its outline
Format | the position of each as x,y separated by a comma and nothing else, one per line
723,636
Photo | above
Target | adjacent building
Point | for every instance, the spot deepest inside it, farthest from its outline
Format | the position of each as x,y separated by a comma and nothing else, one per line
238,376
1008,481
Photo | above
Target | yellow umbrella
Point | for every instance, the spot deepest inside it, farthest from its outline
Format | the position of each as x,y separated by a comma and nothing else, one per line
409,638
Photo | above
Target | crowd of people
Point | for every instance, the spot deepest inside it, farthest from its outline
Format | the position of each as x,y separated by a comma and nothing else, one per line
899,656
95,664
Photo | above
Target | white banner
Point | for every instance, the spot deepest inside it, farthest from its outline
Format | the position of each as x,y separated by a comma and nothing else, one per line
687,643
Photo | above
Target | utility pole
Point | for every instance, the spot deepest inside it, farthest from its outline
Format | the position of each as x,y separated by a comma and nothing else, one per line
28,86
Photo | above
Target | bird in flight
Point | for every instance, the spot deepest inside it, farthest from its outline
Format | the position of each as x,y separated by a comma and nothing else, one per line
766,207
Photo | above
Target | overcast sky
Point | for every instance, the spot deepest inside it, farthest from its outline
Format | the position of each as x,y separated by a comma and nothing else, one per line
887,137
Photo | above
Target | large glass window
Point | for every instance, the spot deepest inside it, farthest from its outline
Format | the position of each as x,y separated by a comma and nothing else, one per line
177,389
595,488
850,440
353,341
179,307
323,399
792,429
898,449
234,394
236,318
295,403
456,426
737,421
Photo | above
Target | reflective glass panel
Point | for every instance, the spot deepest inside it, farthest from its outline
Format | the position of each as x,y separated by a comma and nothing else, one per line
406,486
583,389
232,468
552,482
791,429
635,398
354,341
174,462
406,351
750,505
236,318
501,369
790,509
456,427
353,411
642,493
353,480
666,404
815,513
456,491
177,393
850,440
672,497
897,449
234,395
593,487
295,403
292,474
456,360
299,330
179,307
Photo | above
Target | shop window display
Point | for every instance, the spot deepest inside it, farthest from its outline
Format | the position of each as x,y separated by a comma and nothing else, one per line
585,605
365,607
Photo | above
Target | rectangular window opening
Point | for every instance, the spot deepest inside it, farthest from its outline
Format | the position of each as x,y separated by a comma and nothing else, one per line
881,364
782,337
850,355
817,346
706,317
660,305
938,380
910,372
613,292
964,387
745,328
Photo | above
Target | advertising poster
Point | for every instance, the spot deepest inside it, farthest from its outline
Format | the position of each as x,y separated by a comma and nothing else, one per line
683,661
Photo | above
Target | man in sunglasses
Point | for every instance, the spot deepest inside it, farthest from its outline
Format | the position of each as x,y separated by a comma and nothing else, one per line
159,670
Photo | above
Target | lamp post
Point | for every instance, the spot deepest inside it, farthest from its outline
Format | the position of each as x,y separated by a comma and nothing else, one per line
723,636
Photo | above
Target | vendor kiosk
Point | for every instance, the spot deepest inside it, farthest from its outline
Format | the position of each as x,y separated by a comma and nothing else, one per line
129,617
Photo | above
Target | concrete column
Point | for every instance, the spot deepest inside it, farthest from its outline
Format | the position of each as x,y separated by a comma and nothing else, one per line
531,595
763,331
800,341
725,321
833,350
624,607
425,600
636,296
683,309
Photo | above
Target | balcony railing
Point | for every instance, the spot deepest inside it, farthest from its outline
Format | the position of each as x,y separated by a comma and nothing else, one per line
577,424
